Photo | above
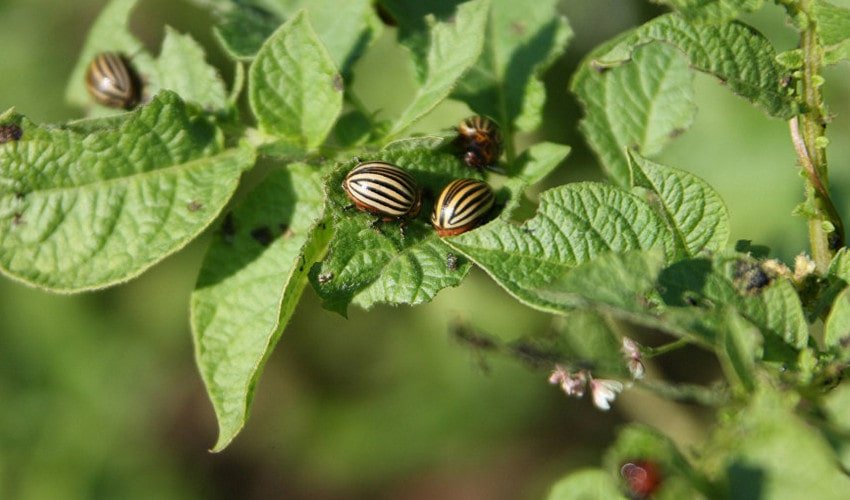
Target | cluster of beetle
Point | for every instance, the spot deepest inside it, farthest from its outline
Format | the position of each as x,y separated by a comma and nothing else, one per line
390,193
382,189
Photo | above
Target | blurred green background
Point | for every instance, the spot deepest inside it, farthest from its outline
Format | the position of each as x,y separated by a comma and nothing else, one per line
100,396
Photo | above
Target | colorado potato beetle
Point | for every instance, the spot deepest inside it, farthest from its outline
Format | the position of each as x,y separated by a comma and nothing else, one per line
463,205
384,190
480,142
112,82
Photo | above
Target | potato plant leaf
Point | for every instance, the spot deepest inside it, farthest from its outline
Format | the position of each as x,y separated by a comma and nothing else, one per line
734,53
694,212
86,210
641,105
294,88
523,39
251,280
453,48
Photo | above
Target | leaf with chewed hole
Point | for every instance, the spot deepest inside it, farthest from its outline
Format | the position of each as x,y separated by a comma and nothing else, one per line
87,210
251,280
735,53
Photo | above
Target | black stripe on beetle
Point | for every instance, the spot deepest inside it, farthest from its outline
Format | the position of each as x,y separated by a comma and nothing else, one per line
112,82
463,205
384,190
479,141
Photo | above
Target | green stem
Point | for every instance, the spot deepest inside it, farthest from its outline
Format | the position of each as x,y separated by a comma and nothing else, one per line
686,393
805,131
651,352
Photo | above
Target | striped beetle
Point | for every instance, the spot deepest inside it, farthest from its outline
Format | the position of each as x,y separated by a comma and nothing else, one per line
480,142
462,206
112,82
384,190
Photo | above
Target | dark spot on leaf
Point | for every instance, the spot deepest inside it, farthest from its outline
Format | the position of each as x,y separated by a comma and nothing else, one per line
339,84
283,227
194,206
676,132
451,19
323,226
19,195
844,342
262,235
518,28
18,219
10,132
325,277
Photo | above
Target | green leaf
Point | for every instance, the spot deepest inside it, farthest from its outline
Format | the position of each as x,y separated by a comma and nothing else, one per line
837,328
833,26
251,280
532,166
454,47
377,265
767,451
523,39
242,29
714,11
414,19
345,28
588,338
86,210
735,53
294,88
612,281
694,212
586,484
181,68
574,224
771,303
642,105
739,347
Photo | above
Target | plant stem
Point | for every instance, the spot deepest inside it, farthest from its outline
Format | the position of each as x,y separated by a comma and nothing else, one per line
687,393
805,131
651,352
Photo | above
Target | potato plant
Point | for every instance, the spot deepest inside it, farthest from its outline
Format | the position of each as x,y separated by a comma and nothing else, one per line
97,201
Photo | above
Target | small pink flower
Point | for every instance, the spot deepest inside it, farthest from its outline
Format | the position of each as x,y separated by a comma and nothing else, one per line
604,392
571,384
634,361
